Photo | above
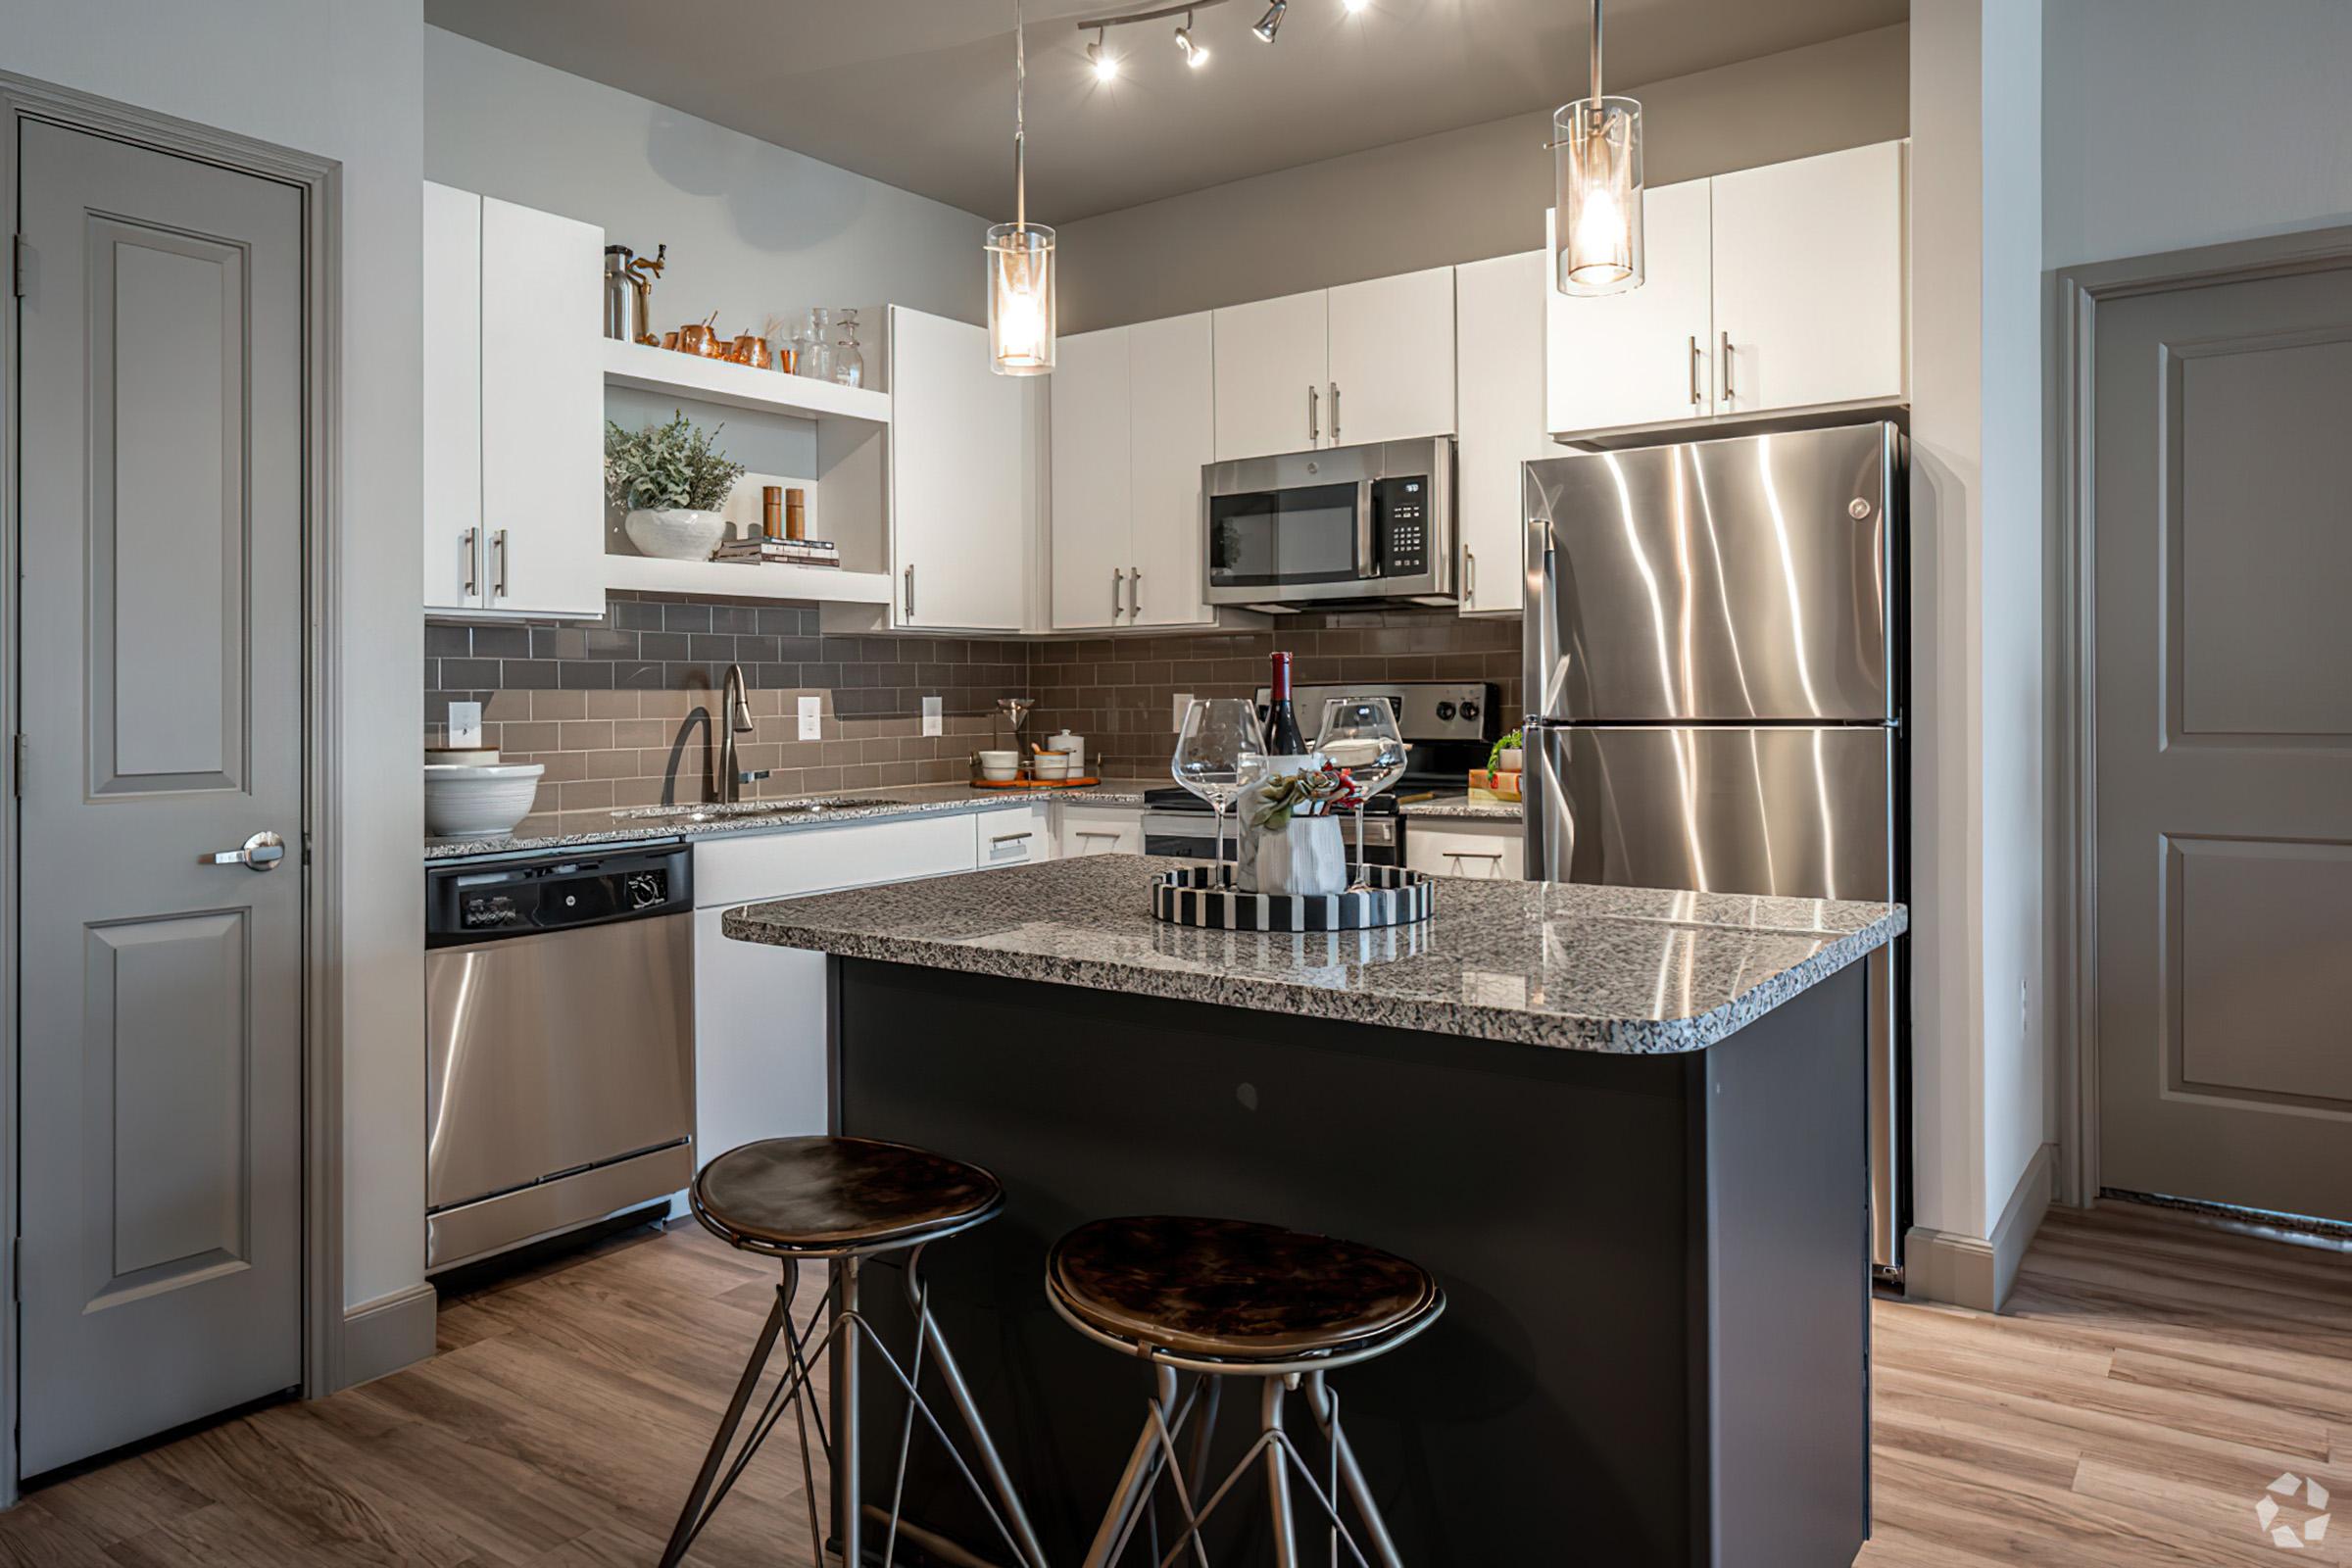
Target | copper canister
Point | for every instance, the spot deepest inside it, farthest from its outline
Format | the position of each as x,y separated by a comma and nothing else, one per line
750,349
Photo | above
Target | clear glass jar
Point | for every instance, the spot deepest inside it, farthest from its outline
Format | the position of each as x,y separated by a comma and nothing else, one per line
817,359
849,360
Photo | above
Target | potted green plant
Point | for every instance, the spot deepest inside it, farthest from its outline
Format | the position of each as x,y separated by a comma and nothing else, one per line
672,482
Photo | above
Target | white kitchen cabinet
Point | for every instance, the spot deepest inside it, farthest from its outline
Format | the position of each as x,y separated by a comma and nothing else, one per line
1272,360
1500,389
1641,356
960,488
1489,850
1133,416
1093,490
1392,357
1016,836
1099,830
1809,281
513,409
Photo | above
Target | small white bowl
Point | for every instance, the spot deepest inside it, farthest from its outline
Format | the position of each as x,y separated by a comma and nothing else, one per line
1051,764
1000,764
462,802
460,755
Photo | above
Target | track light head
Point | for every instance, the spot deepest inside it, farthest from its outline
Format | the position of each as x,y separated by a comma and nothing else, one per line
1353,6
1271,23
1196,55
1106,63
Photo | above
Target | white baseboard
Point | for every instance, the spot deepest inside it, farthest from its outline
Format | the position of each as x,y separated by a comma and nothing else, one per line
1966,1271
389,1333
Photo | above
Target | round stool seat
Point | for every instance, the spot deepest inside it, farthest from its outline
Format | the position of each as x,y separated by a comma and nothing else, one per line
1233,1289
830,1195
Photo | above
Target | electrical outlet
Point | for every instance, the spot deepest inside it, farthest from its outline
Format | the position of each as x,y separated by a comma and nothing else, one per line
812,718
1184,704
465,724
934,719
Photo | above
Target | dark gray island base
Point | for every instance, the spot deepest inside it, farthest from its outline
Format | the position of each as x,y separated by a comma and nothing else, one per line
1656,1346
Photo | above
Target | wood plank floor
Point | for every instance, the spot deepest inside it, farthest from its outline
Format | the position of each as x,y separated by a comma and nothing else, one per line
2153,1377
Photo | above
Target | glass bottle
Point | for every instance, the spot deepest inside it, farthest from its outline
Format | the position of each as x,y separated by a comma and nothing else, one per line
818,360
849,361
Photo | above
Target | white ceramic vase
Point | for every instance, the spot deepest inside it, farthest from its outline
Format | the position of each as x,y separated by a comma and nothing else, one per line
1306,855
675,533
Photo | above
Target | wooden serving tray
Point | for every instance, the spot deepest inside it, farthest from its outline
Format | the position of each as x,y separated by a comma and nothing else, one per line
1035,783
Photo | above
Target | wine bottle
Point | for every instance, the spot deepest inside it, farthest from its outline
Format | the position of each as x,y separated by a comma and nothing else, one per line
1281,720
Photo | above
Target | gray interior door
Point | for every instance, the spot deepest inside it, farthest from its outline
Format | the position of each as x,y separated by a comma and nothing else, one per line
2222,531
160,658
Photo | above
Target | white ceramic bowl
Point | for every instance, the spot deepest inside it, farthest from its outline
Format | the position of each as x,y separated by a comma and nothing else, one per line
1051,764
462,757
1000,764
472,803
675,533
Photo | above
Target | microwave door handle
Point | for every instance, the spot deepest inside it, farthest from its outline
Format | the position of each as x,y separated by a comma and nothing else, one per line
1366,565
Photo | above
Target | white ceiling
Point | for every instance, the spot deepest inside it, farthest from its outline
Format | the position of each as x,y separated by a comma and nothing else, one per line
919,93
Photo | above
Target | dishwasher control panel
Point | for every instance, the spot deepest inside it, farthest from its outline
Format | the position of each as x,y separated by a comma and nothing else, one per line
551,893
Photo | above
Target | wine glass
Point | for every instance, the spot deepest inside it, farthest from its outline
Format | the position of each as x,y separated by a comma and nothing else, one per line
1218,748
1360,735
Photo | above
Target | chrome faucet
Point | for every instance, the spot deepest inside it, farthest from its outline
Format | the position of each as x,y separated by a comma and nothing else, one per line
735,719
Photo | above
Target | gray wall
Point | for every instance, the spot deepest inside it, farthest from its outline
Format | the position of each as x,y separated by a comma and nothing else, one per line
1465,194
753,228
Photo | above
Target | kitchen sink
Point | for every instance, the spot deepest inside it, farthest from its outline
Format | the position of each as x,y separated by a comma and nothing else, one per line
722,812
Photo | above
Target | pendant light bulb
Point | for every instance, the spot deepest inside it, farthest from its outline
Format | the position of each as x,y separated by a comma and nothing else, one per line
1271,23
1106,63
1596,174
1019,255
1353,6
1195,55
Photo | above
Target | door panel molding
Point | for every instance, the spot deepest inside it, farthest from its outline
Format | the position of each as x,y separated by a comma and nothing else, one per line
2072,620
318,181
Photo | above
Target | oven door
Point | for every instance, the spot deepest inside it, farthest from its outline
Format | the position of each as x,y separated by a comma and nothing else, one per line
1192,836
1286,543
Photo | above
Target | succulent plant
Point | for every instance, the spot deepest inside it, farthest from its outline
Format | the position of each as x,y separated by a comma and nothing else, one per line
667,466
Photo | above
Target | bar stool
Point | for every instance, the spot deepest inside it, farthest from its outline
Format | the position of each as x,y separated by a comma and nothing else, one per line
846,1201
1225,1298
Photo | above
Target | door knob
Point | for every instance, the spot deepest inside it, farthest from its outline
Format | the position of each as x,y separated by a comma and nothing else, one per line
260,853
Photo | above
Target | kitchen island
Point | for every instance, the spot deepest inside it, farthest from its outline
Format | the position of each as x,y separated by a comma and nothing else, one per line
1625,1128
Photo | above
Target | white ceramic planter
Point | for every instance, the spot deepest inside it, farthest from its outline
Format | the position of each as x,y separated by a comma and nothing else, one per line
1307,856
675,533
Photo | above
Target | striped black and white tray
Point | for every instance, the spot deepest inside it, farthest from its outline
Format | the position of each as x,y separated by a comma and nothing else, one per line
1203,895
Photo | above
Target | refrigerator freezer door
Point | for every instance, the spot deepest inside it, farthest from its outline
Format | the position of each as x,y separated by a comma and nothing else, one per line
1719,582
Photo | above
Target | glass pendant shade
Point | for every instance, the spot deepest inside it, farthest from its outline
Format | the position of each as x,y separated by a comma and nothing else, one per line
1598,166
1020,299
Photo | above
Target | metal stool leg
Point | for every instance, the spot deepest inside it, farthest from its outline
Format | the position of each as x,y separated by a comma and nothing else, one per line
1125,1501
1324,1405
849,1513
690,1517
1278,1476
992,1464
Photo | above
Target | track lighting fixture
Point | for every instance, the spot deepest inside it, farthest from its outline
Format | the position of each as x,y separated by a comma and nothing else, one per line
1195,55
1106,63
1106,66
1271,23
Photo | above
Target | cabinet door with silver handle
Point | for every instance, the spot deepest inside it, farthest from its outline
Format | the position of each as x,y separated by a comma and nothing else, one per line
1011,838
498,583
260,853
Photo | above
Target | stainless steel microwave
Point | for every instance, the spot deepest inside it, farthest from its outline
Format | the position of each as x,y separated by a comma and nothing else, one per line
1346,524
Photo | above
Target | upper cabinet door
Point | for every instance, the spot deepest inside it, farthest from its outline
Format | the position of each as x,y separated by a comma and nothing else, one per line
1499,381
960,479
1809,281
1174,423
1272,358
453,399
542,411
1641,356
1392,359
1090,491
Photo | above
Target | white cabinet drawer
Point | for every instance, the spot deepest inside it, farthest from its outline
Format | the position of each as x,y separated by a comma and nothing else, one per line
1443,848
782,865
1101,832
1011,838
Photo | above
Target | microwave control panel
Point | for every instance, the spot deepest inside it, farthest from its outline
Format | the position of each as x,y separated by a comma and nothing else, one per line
1400,507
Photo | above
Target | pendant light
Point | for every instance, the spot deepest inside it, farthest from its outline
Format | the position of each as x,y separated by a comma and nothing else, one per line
1020,254
1597,170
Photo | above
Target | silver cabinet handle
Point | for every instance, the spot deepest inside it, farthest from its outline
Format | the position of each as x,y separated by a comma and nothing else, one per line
1694,397
1010,838
260,853
1315,399
1470,574
498,584
1335,413
1118,579
1727,394
473,577
909,591
1134,594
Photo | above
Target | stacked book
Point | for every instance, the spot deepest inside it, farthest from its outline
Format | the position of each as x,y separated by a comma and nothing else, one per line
793,552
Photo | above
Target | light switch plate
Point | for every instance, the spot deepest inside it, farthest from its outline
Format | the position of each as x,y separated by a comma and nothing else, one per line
1184,704
812,718
465,724
933,723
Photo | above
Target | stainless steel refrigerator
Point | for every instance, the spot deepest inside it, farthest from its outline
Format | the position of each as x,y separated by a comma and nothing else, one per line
1715,661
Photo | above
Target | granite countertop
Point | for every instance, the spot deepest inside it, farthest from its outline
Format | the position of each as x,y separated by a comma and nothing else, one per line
651,825
1545,964
1462,808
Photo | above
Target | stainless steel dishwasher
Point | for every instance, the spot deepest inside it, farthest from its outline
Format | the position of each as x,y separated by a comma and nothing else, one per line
560,1029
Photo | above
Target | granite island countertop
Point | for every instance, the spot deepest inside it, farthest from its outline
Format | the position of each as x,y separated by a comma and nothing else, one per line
1629,970
654,824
